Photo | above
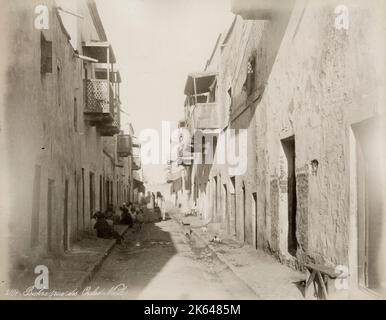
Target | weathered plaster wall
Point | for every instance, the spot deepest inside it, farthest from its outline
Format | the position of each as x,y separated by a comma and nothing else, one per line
313,82
42,141
321,80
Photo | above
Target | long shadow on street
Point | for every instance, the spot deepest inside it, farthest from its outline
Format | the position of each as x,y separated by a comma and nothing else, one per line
161,262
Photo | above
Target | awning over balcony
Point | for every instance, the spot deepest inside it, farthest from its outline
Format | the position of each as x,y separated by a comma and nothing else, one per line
202,81
99,50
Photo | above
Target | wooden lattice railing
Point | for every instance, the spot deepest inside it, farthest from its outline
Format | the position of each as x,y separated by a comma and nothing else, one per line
98,96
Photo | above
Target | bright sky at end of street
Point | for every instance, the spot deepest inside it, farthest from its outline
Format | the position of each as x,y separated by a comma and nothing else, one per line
157,43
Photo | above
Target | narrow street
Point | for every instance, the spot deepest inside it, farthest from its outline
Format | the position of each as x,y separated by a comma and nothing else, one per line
161,262
183,150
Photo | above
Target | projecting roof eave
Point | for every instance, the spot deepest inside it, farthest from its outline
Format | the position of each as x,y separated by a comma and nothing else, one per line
203,82
95,49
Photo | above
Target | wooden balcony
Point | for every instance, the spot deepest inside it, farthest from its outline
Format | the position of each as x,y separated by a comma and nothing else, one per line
99,107
110,129
124,146
136,163
205,116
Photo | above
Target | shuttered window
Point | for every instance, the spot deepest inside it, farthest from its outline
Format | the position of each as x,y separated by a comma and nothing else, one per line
46,55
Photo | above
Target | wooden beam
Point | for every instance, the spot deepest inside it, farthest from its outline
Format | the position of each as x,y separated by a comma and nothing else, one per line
310,280
97,44
323,285
85,58
70,12
195,90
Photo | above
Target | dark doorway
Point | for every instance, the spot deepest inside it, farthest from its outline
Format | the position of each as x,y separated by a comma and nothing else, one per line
244,215
226,209
104,192
215,205
100,193
83,201
118,192
107,193
50,209
233,220
254,211
289,150
111,193
92,194
35,208
65,217
76,179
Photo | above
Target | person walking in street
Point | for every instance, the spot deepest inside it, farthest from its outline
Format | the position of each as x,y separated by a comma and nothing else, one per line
140,219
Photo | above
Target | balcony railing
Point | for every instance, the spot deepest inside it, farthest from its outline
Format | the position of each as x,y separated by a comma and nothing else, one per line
205,116
99,104
136,163
98,96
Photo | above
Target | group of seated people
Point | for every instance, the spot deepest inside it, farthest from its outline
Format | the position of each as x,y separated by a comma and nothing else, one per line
131,214
105,221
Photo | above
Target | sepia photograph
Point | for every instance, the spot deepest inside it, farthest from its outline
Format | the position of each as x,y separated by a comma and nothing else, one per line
193,150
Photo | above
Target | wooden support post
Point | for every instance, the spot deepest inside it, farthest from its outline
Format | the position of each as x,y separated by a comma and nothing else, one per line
195,91
108,81
323,285
309,281
108,64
